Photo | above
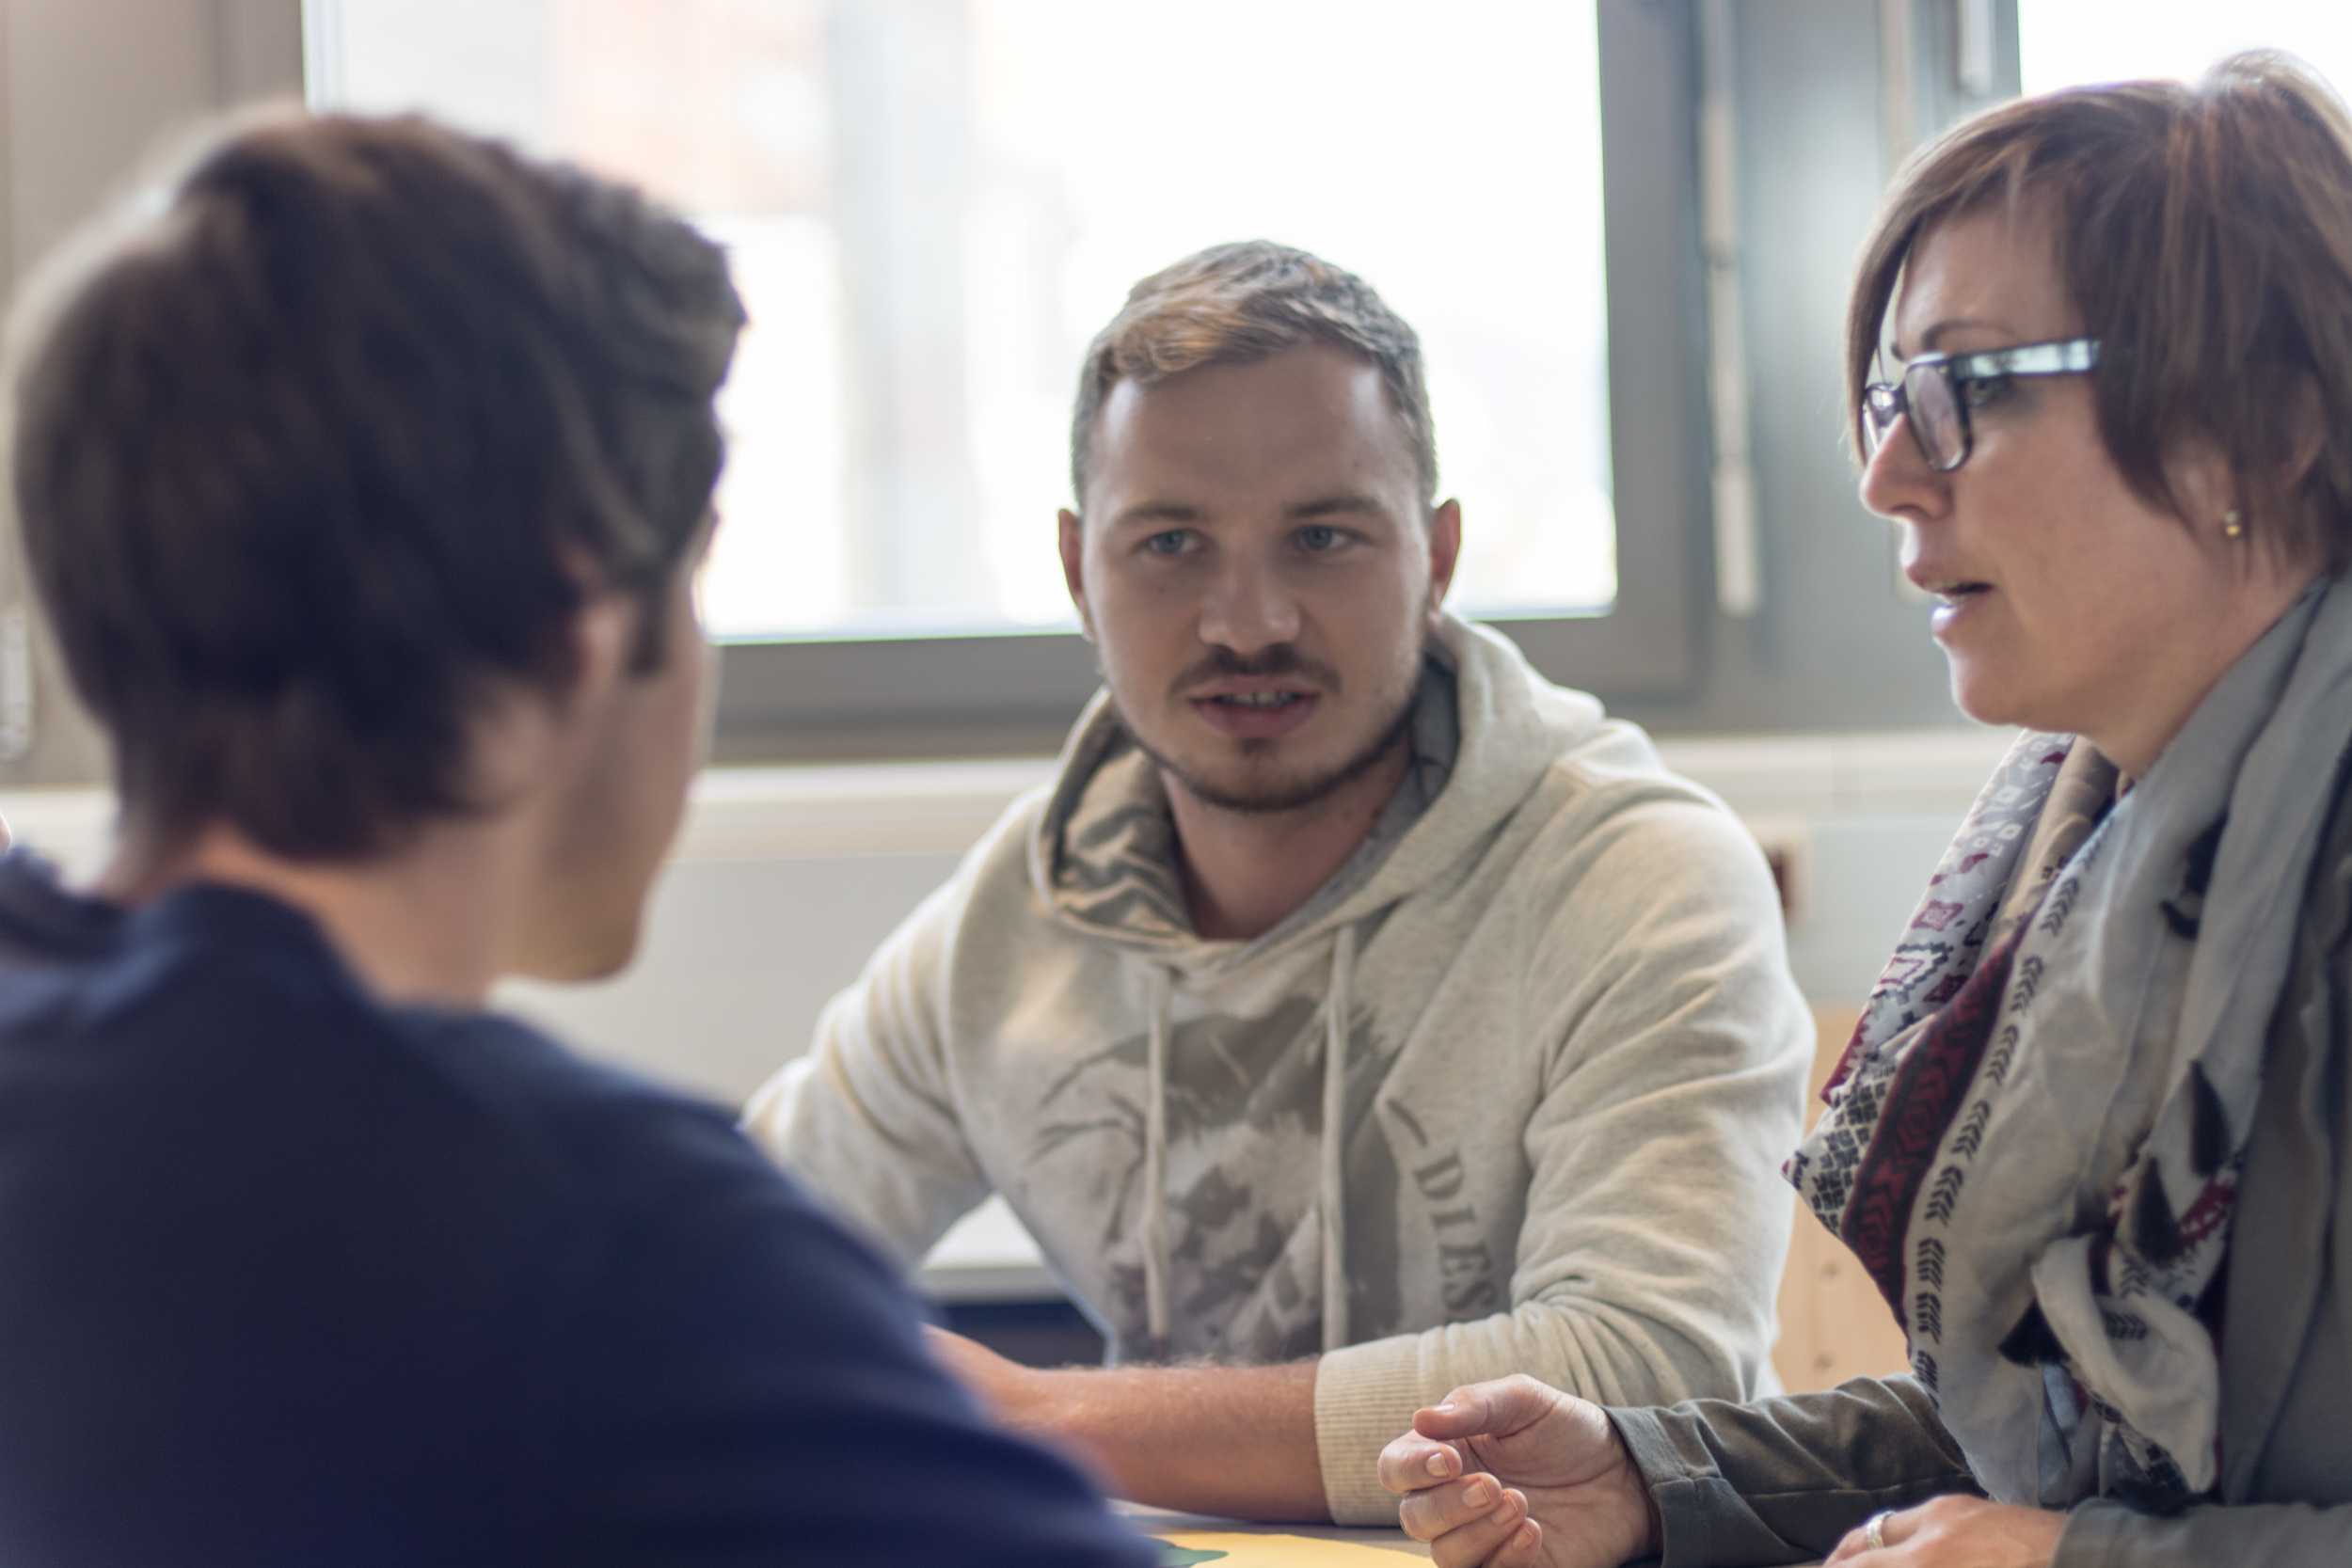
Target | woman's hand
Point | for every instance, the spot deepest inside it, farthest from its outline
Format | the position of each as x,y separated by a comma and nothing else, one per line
1513,1474
1957,1532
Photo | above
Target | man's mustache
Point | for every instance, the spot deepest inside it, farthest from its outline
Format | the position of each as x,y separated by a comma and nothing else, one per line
1280,660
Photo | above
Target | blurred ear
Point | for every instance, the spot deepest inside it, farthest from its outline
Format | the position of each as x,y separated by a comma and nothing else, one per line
2201,487
1445,552
2204,486
525,727
1073,567
605,634
607,613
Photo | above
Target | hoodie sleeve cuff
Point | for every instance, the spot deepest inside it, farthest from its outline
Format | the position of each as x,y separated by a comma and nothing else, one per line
1364,1396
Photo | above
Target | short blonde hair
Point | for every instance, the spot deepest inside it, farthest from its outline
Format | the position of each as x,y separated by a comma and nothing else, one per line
2204,235
1235,303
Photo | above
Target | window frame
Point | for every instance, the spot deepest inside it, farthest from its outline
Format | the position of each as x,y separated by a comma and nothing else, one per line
794,699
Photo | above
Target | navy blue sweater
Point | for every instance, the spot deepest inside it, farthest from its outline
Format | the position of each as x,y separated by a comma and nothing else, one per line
291,1278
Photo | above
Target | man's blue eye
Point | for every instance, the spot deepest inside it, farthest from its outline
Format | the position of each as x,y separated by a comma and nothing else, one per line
1170,543
1318,537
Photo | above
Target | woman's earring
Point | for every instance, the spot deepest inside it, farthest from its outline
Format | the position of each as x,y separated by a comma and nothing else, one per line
2232,525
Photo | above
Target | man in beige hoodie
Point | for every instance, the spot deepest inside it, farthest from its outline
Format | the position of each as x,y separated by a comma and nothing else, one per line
1359,1015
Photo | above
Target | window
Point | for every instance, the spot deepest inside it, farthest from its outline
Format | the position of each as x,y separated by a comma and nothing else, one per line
2065,42
933,204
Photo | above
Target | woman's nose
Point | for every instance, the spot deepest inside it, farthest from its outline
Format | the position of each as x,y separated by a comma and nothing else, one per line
1897,481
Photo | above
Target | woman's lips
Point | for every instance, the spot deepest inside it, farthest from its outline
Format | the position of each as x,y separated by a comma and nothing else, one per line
1953,600
1256,715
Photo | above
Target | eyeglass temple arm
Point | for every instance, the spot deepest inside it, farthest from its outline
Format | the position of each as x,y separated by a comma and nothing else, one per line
2072,357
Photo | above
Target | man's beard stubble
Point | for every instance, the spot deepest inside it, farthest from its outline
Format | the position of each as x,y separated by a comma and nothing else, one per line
1282,659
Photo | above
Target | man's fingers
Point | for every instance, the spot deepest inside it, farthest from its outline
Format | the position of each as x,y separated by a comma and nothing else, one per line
1487,1409
1435,1510
1413,1462
1492,1540
1526,1544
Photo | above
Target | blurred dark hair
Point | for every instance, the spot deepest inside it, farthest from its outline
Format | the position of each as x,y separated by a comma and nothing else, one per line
332,436
2204,235
1239,303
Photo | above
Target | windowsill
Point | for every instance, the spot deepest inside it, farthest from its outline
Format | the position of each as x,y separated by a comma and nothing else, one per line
945,805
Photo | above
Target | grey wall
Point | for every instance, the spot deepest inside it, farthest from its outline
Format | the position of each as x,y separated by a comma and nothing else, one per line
739,957
89,89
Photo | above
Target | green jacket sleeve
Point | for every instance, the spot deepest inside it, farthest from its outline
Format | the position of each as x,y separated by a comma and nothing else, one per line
1782,1479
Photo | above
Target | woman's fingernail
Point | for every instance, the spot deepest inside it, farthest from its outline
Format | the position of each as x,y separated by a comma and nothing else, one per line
1437,1465
1479,1493
1525,1536
1445,1409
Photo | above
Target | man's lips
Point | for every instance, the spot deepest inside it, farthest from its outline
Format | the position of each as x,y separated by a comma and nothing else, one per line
1254,710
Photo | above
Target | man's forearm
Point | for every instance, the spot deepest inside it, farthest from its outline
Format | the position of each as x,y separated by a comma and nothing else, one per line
1237,1441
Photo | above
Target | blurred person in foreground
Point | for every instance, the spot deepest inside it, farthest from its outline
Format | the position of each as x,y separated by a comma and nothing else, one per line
2092,1136
1359,1013
364,472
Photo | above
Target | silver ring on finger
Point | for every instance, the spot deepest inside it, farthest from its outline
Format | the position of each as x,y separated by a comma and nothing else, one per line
1874,1533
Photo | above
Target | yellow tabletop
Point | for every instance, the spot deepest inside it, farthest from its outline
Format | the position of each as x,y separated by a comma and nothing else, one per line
1247,1545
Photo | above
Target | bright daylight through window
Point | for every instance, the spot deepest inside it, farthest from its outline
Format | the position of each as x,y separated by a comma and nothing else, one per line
2068,43
933,205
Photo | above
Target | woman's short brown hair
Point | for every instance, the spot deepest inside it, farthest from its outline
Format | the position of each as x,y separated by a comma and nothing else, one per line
2204,235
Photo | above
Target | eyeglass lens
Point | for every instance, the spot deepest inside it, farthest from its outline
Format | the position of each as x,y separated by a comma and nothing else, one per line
1936,413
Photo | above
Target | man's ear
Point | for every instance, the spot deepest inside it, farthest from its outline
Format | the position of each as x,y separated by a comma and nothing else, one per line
1073,567
1445,552
604,633
607,612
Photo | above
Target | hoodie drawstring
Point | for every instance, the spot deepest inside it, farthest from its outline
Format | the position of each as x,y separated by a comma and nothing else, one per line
1334,1150
1331,1173
1156,1169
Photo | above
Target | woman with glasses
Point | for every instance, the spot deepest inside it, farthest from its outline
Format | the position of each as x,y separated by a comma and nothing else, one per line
2093,1136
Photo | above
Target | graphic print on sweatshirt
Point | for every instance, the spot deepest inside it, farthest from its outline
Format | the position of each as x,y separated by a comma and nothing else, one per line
1245,1125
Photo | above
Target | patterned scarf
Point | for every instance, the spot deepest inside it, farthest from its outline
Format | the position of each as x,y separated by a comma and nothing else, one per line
2033,1143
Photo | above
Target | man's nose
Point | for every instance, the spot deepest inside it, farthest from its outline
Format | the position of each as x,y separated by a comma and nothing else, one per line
1248,607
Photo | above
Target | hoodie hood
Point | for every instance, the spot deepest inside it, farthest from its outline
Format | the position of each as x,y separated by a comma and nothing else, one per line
1486,729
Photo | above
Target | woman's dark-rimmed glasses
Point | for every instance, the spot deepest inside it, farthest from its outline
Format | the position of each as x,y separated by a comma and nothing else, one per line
1937,391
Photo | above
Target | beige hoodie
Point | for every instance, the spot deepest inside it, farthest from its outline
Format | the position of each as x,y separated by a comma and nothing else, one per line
1573,1061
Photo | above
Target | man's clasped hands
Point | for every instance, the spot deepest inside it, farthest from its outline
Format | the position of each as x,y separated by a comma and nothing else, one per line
1516,1474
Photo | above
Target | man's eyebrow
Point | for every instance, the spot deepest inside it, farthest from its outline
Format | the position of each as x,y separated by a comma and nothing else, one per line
1157,512
1325,506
